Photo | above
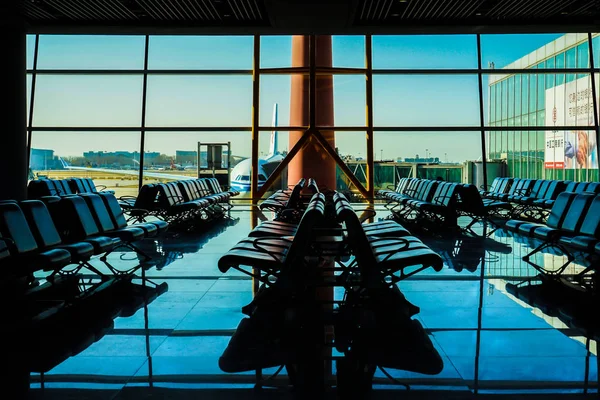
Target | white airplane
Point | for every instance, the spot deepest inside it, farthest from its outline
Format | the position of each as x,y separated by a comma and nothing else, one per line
240,175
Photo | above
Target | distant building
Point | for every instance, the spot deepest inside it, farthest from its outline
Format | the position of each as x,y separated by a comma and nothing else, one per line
118,157
43,159
186,157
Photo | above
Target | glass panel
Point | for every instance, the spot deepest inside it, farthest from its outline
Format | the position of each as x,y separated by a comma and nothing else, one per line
518,97
352,148
30,50
348,51
88,100
275,51
560,63
504,97
533,92
541,87
583,57
596,49
101,52
571,57
511,97
425,51
111,159
448,149
275,90
419,100
550,78
29,79
273,146
199,101
525,95
200,52
349,100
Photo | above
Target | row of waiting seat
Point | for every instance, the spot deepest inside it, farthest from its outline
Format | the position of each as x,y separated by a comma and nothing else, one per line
184,203
573,226
288,204
532,198
438,204
44,248
281,256
62,187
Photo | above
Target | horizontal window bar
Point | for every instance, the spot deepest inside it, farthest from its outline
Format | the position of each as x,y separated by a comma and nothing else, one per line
299,128
138,129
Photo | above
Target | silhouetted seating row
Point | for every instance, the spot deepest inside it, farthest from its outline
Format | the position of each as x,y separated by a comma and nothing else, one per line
63,187
422,200
573,225
54,316
471,204
183,203
289,204
281,316
533,198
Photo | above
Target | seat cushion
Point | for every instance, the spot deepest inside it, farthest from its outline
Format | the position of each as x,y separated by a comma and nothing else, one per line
80,251
161,226
527,228
393,255
49,260
385,229
545,232
129,234
102,244
150,229
584,243
514,224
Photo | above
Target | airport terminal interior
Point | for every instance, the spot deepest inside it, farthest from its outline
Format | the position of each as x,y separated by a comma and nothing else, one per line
286,199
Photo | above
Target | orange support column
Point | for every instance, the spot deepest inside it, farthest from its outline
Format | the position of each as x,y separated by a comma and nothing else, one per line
312,161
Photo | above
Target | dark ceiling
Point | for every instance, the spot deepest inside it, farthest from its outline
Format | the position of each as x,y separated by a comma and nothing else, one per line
307,16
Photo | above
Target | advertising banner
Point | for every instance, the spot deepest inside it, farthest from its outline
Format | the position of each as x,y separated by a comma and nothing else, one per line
570,104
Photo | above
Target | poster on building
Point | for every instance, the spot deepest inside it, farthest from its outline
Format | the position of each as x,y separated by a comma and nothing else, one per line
570,104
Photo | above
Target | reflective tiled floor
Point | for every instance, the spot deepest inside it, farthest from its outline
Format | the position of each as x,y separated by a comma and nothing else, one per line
490,341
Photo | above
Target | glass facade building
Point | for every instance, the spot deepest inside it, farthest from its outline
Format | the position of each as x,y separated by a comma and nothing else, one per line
543,115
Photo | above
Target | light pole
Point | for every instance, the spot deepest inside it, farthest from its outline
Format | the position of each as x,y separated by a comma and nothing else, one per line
381,156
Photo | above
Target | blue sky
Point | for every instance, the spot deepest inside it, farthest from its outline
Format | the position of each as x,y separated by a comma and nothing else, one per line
409,100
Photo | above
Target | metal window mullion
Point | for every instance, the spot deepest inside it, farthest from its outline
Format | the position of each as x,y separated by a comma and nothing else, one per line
255,118
369,117
483,157
32,102
143,121
312,58
594,94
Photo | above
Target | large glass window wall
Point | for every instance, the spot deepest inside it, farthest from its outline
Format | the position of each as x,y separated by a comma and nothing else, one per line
173,92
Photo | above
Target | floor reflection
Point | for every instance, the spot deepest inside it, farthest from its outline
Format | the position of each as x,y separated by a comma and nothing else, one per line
492,332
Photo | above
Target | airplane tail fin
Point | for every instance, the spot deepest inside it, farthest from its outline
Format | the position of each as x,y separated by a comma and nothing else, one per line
273,146
64,164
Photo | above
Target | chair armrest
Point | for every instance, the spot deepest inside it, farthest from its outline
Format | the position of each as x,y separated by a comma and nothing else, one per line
366,214
521,192
437,201
7,240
